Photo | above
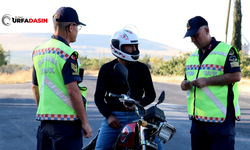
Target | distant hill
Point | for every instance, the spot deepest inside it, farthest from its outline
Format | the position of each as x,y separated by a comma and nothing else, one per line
21,45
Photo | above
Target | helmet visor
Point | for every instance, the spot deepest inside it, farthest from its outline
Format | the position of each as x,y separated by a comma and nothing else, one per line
132,28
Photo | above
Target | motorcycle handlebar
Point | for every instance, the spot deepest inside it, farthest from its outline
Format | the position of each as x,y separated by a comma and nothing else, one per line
115,95
126,99
147,124
123,98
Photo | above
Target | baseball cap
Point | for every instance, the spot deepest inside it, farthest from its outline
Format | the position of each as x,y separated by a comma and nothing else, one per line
67,14
194,25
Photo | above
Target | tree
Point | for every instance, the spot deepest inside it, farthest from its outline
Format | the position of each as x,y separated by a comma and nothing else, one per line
155,63
244,65
175,66
93,63
3,53
146,60
236,40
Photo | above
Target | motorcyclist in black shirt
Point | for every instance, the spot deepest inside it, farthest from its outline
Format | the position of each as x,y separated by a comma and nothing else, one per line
124,45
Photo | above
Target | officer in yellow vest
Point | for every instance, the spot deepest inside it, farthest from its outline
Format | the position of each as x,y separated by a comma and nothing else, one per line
212,73
55,87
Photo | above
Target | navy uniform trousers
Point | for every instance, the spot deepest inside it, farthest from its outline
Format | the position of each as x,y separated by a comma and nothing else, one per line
60,135
213,136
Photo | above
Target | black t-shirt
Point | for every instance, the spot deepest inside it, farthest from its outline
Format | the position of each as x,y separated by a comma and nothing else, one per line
140,82
69,73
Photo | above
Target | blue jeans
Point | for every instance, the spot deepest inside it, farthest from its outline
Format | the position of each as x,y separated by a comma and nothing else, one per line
108,135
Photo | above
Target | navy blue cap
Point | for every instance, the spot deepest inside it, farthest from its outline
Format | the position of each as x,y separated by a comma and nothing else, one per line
194,25
66,14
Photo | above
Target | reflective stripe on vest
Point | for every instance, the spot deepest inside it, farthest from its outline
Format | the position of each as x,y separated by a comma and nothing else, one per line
59,117
51,50
217,102
56,91
63,97
219,53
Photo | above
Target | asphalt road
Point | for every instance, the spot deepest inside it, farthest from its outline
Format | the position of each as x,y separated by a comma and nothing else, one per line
18,125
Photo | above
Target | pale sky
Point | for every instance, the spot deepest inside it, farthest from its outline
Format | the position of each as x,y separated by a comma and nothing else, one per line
162,21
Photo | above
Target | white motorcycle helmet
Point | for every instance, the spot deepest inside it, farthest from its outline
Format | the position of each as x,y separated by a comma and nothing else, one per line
126,36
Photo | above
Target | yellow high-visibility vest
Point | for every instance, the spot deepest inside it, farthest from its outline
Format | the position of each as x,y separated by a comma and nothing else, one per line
209,104
54,103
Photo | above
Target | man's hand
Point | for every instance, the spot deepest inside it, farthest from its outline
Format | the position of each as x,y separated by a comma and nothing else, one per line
200,82
114,122
186,85
87,130
77,104
224,79
132,107
35,90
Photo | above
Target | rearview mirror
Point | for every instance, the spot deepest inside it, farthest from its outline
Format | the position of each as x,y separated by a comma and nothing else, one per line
161,98
122,71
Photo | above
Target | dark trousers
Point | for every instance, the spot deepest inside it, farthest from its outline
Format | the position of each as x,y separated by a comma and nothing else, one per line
213,136
59,135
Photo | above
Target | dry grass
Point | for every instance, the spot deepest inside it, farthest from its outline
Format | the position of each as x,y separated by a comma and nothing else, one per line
18,77
26,76
91,72
244,85
168,79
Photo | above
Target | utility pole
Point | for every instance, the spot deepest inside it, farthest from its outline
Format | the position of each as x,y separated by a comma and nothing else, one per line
247,48
9,57
228,12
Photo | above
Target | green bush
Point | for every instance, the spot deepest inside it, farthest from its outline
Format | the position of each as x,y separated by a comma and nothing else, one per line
3,55
11,69
93,63
245,72
175,66
158,66
244,65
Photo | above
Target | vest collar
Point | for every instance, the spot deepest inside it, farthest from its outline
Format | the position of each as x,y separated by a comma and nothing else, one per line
211,46
60,39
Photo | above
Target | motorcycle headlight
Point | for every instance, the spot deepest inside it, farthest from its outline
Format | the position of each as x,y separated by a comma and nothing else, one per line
165,131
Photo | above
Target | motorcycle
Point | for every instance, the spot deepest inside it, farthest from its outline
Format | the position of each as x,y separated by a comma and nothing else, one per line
141,133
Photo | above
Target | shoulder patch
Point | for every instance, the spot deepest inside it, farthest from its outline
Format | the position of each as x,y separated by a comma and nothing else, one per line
74,69
234,64
73,57
233,59
231,52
